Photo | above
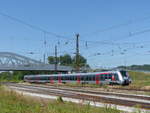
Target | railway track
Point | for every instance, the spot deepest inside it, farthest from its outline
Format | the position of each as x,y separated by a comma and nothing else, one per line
87,91
133,89
103,97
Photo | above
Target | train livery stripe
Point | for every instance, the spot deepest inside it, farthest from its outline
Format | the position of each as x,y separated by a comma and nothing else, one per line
78,79
102,73
59,79
97,77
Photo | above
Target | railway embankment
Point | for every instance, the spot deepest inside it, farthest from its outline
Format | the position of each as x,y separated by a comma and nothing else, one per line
121,101
12,102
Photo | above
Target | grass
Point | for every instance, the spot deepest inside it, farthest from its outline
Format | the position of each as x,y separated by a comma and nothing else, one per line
140,78
11,102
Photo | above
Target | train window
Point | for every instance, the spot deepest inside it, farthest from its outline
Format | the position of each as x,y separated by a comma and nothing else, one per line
33,78
65,77
86,78
75,77
116,76
29,78
102,77
71,77
105,76
99,77
68,77
46,78
62,77
51,78
93,77
42,78
82,78
90,78
124,73
56,78
110,76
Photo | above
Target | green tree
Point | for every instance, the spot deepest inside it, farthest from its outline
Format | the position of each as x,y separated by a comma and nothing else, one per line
51,60
65,60
82,61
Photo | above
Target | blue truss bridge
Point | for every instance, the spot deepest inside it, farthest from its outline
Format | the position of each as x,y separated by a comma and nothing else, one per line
14,62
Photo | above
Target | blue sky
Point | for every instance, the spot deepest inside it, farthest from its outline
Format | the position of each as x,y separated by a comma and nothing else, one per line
123,44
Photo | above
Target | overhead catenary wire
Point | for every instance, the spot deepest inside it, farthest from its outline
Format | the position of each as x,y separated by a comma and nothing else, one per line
117,26
32,26
86,41
45,32
131,34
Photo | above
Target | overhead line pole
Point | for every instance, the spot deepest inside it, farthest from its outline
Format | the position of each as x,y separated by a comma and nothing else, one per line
44,48
77,53
56,61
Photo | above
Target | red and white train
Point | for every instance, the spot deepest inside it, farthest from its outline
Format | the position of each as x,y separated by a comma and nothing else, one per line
110,77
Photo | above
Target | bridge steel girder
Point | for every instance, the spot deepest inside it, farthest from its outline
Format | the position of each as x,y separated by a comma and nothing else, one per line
14,62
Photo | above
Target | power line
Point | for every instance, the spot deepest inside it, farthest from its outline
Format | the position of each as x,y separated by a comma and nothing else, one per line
86,42
117,43
31,26
118,26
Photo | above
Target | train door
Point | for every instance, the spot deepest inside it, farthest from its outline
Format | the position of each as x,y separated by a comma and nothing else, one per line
113,77
59,79
97,77
51,80
78,79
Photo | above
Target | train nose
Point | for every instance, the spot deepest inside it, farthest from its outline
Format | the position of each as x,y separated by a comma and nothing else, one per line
126,81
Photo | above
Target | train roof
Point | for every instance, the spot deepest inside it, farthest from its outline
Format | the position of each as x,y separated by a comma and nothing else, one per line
72,74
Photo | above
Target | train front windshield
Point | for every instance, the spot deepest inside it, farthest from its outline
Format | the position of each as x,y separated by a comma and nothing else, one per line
124,73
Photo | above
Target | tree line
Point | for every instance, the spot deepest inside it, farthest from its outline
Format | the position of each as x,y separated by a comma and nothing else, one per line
145,67
68,60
